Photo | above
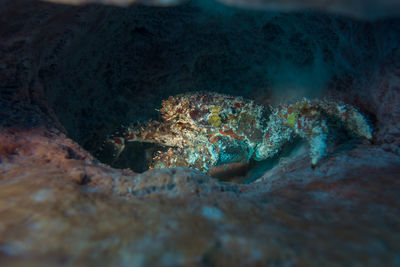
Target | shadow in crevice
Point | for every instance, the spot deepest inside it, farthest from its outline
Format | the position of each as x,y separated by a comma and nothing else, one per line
246,173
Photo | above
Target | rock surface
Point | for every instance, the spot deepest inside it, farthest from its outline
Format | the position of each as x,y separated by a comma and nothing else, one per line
353,8
60,206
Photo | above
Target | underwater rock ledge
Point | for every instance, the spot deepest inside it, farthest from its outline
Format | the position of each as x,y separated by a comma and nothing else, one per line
60,206
55,197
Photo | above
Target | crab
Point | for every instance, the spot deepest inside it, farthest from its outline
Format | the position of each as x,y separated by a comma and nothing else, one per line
206,129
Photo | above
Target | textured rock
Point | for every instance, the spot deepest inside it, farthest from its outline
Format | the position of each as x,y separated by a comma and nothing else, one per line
122,3
60,208
74,73
355,8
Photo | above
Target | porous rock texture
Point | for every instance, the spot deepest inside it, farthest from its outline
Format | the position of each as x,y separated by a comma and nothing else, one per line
355,8
71,74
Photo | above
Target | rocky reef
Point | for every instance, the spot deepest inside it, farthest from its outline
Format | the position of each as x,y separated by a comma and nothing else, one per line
71,74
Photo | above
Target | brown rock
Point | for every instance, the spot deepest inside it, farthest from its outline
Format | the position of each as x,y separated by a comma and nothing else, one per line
60,206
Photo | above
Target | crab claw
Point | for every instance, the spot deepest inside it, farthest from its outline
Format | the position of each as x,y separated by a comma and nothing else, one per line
118,144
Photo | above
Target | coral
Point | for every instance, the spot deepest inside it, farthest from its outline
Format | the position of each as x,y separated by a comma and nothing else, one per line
207,129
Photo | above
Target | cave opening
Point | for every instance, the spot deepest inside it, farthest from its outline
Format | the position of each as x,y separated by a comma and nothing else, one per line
106,66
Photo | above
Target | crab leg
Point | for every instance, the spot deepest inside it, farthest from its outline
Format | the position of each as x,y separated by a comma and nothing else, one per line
152,132
353,120
180,157
307,120
275,136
